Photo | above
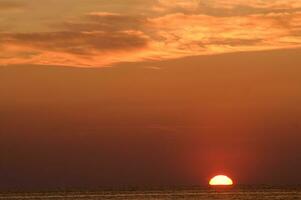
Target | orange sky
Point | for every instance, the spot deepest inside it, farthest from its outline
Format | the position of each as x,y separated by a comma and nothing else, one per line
147,124
114,93
97,33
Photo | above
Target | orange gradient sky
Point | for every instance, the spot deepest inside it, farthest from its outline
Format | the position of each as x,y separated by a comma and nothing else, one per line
114,93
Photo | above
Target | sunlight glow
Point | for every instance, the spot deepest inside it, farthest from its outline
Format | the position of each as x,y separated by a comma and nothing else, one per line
221,180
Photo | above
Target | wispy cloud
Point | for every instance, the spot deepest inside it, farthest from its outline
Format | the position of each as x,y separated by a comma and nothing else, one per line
101,39
10,5
173,28
203,34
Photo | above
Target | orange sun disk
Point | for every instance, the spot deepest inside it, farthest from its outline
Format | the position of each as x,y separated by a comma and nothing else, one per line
221,180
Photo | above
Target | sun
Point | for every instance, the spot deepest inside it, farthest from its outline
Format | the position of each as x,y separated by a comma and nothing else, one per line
220,180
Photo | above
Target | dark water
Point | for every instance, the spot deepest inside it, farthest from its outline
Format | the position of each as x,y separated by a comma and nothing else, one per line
246,193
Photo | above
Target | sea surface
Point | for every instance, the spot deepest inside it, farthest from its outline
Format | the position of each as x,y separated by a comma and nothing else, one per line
233,193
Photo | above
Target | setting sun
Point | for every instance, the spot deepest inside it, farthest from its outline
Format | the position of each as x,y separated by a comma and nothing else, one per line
150,99
221,180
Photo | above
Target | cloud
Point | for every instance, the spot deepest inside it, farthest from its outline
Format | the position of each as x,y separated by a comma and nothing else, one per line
227,8
71,48
243,8
104,21
96,38
176,5
189,34
78,42
268,4
10,6
176,28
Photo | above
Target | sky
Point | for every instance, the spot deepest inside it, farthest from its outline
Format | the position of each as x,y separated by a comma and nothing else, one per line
120,93
98,33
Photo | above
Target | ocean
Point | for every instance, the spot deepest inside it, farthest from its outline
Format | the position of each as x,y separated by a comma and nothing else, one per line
235,193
